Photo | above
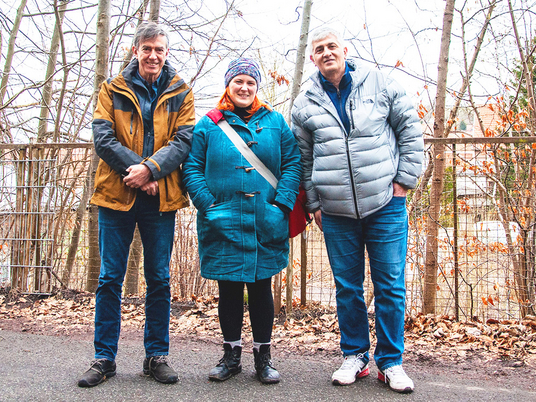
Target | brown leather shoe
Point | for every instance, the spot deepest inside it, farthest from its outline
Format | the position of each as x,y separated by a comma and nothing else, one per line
100,370
159,368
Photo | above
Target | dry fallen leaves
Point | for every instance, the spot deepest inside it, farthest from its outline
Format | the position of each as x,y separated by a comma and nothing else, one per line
306,331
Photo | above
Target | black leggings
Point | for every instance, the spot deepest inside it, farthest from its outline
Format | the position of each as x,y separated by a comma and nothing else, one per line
261,309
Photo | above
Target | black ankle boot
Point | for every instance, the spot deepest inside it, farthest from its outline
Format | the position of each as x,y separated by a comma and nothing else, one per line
263,365
228,365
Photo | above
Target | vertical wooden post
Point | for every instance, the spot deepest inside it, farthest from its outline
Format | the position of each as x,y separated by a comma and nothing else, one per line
277,294
290,274
455,235
303,278
29,218
133,265
17,249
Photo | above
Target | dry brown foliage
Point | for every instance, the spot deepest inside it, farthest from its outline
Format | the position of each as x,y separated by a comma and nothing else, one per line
309,330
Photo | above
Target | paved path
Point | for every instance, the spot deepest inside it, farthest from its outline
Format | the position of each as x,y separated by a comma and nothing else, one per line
46,368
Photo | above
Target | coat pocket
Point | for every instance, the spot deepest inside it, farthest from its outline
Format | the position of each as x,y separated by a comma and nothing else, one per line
274,225
217,224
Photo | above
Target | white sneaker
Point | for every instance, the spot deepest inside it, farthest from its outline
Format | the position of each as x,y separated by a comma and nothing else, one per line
397,379
353,367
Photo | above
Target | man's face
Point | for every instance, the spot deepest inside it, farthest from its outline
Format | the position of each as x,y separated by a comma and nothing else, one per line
151,55
329,56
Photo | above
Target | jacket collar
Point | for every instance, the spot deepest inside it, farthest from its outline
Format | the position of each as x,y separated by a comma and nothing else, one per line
128,73
358,73
345,81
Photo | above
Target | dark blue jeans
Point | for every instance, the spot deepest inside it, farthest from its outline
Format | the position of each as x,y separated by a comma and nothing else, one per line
384,235
116,230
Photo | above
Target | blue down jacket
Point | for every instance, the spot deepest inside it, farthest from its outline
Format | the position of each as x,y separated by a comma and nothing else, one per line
351,174
242,235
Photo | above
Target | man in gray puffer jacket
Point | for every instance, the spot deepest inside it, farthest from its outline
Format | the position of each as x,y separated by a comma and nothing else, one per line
362,149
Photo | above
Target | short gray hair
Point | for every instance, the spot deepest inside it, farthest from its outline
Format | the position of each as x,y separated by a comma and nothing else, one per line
322,33
149,30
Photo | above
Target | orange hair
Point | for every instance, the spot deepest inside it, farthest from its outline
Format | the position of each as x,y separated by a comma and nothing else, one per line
225,103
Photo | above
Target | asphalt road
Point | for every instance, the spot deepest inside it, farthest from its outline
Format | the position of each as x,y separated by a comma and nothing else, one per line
46,368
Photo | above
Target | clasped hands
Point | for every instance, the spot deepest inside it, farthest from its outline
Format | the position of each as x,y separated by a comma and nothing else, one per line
139,176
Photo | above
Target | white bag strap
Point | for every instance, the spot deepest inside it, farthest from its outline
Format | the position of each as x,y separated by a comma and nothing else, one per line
247,152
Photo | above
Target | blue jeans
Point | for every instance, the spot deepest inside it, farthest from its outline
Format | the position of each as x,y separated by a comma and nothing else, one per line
116,230
384,235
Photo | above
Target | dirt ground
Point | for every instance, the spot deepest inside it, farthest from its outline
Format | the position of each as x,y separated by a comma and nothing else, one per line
503,351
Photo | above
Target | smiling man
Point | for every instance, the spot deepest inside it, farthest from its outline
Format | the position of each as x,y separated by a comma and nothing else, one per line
142,130
362,149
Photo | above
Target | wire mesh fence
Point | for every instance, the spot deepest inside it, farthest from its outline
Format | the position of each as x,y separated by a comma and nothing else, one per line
482,255
37,195
484,259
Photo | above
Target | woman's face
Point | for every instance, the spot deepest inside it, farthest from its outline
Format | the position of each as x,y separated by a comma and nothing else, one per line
242,90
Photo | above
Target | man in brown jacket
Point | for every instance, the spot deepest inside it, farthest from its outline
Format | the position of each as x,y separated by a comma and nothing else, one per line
142,131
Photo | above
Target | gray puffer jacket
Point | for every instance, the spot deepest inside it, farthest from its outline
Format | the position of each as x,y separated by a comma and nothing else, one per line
352,174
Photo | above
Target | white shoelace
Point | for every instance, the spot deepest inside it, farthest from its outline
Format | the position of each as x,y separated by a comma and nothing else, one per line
394,371
350,361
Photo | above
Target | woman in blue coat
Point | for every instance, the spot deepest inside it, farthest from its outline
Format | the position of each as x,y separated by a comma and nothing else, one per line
242,221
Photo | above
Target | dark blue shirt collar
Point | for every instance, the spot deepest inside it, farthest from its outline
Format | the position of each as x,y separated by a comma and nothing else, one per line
147,95
340,96
345,81
154,86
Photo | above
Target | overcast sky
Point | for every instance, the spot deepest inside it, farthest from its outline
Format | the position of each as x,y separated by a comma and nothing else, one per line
389,31
380,32
386,40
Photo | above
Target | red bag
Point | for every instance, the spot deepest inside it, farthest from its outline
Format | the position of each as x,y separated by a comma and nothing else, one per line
298,217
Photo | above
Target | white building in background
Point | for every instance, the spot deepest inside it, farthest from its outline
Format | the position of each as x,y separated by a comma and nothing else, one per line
493,232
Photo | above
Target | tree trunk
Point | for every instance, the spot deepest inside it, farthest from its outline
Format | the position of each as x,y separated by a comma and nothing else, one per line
436,169
290,275
101,73
128,57
303,267
277,294
133,267
11,49
75,238
154,13
296,84
18,252
46,100
59,12
93,261
4,129
524,272
136,247
432,221
43,178
300,55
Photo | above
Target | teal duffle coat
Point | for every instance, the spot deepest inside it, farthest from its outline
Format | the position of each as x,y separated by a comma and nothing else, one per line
242,221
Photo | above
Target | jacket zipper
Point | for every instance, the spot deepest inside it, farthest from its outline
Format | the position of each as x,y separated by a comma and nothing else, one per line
341,107
351,114
352,183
